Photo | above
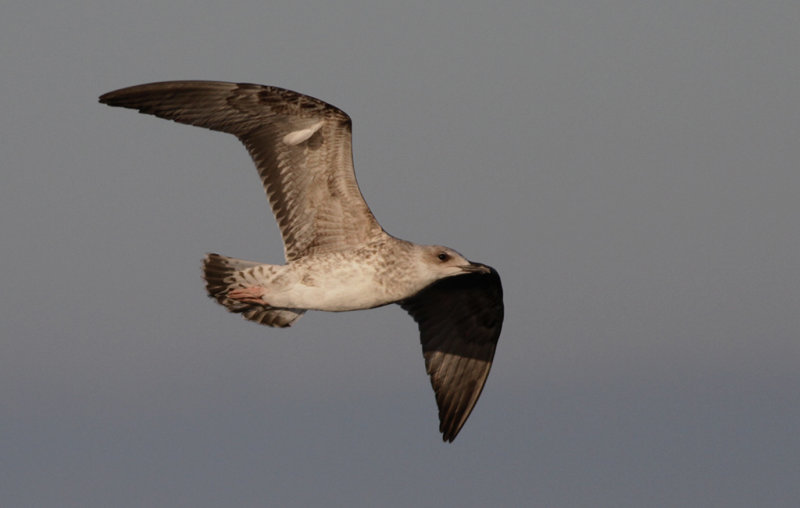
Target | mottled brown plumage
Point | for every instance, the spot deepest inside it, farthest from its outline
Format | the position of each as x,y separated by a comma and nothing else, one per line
311,185
338,257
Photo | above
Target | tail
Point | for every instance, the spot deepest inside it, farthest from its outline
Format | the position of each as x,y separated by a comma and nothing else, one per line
222,274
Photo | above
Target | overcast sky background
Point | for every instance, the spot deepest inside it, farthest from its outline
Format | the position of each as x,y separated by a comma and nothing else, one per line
629,167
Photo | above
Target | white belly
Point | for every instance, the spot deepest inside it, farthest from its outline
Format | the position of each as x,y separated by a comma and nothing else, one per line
333,287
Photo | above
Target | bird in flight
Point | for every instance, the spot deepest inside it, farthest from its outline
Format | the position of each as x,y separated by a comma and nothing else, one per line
338,258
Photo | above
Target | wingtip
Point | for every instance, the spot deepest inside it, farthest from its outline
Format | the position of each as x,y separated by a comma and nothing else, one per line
108,97
449,433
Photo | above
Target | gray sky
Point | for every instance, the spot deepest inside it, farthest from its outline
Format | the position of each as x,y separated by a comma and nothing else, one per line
629,167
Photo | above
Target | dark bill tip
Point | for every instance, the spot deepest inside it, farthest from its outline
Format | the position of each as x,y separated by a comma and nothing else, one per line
477,268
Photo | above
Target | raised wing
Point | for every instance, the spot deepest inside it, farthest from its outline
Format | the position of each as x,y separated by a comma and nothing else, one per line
459,321
300,145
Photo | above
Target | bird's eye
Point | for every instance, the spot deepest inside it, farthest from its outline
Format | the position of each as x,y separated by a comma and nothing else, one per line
443,256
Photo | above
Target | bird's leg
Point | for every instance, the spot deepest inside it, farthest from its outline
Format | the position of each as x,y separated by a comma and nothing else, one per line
249,294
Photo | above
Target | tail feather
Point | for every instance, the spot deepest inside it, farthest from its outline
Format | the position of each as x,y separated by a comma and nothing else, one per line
222,274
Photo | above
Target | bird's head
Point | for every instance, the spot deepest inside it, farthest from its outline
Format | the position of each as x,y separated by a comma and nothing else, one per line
439,262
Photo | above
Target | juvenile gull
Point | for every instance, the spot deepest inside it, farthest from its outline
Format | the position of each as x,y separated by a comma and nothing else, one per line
338,258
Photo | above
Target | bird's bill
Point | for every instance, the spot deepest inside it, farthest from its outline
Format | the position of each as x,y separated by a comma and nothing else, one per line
476,268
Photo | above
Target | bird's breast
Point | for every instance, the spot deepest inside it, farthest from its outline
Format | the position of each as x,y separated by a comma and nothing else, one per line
337,285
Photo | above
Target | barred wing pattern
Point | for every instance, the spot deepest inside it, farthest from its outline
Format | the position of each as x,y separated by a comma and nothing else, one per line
301,146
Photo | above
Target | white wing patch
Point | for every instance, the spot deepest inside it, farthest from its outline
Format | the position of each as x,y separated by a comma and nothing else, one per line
297,137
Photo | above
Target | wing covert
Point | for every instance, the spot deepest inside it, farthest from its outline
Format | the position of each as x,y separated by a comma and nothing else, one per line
302,148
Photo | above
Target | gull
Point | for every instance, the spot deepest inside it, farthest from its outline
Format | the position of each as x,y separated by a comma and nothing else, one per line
338,258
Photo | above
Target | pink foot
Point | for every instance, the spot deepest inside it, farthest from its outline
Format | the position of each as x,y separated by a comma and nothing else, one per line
249,294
